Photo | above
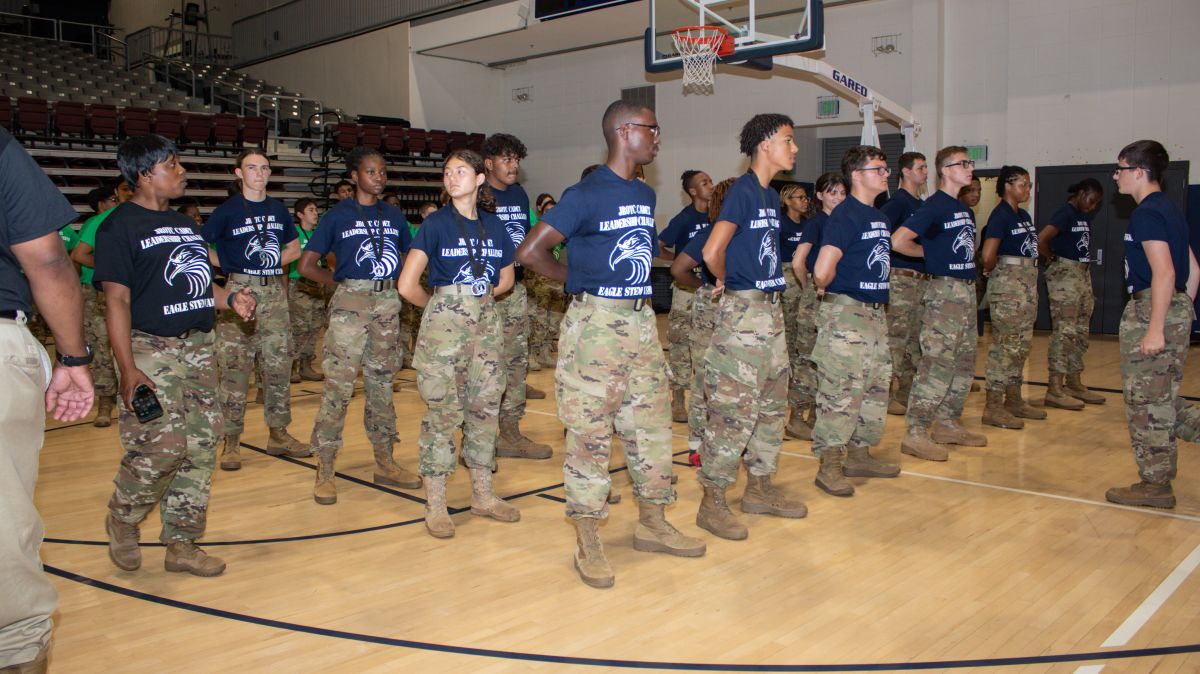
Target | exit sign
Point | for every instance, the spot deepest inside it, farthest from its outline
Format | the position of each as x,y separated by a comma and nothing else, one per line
977,153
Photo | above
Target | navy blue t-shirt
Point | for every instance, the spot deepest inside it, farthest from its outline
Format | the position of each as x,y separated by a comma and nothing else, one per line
441,239
250,235
1015,230
812,235
368,241
790,234
945,227
694,249
863,234
1155,219
752,258
898,210
512,208
608,225
1074,240
683,227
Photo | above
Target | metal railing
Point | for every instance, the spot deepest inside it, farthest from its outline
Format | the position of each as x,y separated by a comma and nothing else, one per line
96,38
178,43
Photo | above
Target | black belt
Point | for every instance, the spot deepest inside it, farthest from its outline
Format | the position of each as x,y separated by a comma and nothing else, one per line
846,300
755,295
11,314
913,273
588,298
262,280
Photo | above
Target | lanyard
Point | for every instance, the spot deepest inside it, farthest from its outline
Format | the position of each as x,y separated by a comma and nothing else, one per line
480,283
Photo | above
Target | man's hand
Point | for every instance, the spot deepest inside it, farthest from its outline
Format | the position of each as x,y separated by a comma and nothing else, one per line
130,383
70,394
243,303
1153,343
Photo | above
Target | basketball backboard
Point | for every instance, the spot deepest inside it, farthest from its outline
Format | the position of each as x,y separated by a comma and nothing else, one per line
759,28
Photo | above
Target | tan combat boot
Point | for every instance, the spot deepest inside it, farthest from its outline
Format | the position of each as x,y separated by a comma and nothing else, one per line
547,358
184,556
281,443
484,502
898,400
1076,389
860,463
231,454
513,444
1143,494
104,408
123,547
535,363
1016,405
590,562
533,393
679,413
390,473
951,432
325,490
437,519
763,498
715,516
798,426
830,477
917,443
1057,396
653,533
996,414
306,371
295,378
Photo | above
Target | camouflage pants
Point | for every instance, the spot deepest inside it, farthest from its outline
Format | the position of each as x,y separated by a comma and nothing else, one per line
854,372
308,316
364,328
410,319
800,328
746,381
1069,287
1157,414
549,301
459,377
611,376
1014,299
704,309
948,340
679,322
239,342
904,326
169,461
514,316
28,597
95,330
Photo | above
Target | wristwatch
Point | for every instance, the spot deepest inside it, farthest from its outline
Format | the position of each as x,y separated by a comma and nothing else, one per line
75,361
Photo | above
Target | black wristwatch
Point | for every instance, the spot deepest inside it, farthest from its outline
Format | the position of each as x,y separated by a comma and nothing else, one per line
75,361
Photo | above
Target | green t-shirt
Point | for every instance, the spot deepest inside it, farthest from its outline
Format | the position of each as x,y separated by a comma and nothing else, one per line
533,220
303,237
87,234
69,236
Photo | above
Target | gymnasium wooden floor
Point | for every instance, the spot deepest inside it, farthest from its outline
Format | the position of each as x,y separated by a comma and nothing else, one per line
1006,555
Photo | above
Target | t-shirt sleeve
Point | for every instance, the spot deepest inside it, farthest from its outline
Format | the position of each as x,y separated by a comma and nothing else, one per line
215,224
695,247
508,252
322,237
996,225
33,206
1147,226
289,229
114,256
424,240
570,213
406,236
1062,219
738,207
669,235
841,232
87,232
920,221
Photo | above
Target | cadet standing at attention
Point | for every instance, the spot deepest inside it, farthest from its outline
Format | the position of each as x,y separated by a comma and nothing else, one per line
502,155
746,366
306,300
1066,246
907,284
611,375
801,386
368,238
853,364
461,342
1010,263
1161,277
153,268
943,232
693,218
255,241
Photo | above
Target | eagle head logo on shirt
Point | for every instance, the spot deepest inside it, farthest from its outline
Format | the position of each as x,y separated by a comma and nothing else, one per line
881,253
189,261
769,250
1084,244
634,248
515,232
381,266
466,277
1029,247
267,256
965,242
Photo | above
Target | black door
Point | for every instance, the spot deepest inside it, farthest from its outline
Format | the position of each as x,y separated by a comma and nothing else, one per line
1108,234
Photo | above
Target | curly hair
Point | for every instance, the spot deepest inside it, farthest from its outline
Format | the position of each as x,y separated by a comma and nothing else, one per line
760,128
718,198
500,144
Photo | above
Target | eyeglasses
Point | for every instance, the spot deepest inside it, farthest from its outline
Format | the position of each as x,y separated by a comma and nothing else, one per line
654,128
882,170
1117,171
965,163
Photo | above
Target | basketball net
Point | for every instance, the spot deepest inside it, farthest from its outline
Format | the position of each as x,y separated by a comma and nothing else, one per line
698,47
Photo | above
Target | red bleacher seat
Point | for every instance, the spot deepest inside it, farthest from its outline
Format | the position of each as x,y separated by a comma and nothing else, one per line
6,116
102,120
475,142
372,136
418,141
225,129
70,117
197,128
137,120
439,143
458,140
33,115
393,139
254,130
168,123
346,136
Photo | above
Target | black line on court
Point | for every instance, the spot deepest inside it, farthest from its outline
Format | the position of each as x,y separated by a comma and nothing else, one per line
609,662
550,497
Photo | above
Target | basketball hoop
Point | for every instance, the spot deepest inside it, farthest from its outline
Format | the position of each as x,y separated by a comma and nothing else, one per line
699,47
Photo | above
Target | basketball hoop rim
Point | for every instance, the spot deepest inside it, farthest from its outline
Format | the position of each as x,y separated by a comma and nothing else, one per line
714,36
